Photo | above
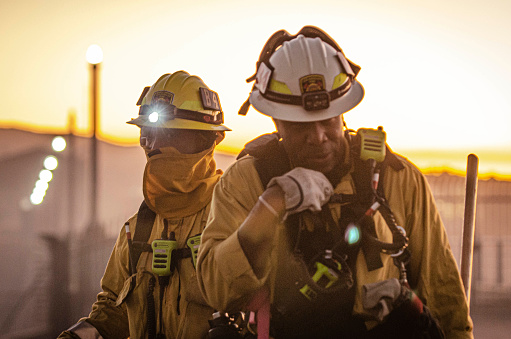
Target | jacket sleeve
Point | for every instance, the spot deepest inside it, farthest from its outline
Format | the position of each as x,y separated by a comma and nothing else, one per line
225,276
109,320
434,272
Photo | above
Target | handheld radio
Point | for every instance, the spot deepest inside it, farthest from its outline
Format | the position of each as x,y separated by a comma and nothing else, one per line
372,144
194,243
162,255
372,150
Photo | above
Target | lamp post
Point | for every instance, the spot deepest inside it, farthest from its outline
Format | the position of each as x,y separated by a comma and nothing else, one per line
71,187
94,57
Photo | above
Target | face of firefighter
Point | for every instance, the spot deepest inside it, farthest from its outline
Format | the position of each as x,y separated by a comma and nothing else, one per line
186,141
317,145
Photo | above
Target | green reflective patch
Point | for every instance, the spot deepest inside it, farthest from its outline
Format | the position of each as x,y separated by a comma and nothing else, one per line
279,87
339,80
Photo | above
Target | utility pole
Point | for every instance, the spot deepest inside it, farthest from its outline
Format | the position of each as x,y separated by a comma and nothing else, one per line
88,288
94,57
71,188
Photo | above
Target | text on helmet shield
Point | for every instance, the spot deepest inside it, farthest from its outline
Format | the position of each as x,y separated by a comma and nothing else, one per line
209,99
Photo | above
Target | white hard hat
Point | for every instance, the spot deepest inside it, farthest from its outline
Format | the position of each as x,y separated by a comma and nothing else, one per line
307,79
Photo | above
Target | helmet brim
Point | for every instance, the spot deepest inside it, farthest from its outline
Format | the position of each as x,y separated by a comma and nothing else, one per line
177,123
297,113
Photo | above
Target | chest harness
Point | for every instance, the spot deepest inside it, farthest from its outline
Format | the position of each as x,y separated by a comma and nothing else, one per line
315,279
166,255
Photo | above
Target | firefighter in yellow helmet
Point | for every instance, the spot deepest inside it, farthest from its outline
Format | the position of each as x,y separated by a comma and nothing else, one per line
326,233
149,286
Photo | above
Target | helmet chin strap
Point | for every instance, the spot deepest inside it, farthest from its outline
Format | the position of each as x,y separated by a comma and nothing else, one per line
156,138
149,137
146,143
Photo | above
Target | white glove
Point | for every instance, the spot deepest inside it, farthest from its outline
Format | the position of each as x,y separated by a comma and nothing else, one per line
304,189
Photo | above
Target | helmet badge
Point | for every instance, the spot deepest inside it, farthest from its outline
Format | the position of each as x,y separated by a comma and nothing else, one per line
312,83
162,97
314,95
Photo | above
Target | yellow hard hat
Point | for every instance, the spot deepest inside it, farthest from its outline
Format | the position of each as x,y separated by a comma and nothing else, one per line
182,101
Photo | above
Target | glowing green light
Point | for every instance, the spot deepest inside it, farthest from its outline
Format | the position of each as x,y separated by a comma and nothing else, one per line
352,235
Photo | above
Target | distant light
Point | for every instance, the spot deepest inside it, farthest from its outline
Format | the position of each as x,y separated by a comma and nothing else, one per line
41,185
153,117
50,162
39,191
94,55
58,144
45,175
36,199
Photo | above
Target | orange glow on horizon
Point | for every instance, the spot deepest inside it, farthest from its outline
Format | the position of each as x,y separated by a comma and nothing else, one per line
432,77
492,163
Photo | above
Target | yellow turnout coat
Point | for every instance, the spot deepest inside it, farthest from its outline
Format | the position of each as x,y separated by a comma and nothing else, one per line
121,310
228,281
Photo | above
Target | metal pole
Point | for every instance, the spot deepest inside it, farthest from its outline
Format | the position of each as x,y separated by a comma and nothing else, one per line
71,187
467,249
94,146
67,244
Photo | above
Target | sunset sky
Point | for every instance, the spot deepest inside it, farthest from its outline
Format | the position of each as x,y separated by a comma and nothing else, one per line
436,73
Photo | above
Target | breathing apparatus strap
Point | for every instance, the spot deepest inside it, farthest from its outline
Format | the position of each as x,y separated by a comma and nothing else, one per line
367,195
145,221
151,316
144,226
271,160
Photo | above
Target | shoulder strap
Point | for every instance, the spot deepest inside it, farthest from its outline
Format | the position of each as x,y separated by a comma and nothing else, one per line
270,157
271,160
363,181
145,222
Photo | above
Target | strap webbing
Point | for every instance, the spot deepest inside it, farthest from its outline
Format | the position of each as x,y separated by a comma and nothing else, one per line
145,221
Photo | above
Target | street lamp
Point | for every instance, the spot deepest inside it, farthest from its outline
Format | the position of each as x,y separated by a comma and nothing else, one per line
94,57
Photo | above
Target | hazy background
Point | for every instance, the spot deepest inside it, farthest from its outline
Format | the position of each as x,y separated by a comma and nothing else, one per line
436,73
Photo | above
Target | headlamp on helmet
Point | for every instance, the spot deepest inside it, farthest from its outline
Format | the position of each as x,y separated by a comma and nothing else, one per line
153,117
161,109
180,101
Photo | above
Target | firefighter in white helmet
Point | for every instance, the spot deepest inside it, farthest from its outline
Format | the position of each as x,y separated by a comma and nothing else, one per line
150,287
324,228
